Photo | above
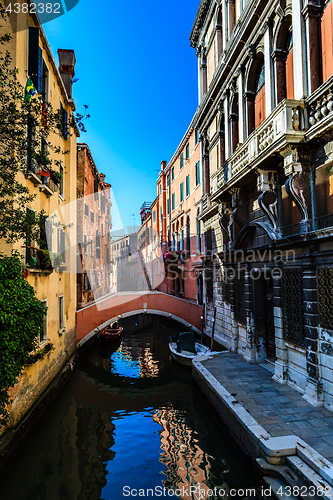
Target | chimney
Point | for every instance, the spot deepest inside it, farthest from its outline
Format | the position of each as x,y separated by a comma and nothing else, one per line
66,68
163,164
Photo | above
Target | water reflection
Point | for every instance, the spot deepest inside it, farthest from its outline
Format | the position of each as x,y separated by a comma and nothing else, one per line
127,420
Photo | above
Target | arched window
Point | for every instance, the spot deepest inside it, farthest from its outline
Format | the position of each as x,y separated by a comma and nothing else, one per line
326,40
255,93
284,64
219,43
188,235
290,68
234,123
199,247
259,101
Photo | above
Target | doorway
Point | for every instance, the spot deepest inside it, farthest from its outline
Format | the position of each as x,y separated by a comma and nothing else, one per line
264,314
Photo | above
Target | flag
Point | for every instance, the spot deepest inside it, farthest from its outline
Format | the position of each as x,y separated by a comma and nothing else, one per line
29,90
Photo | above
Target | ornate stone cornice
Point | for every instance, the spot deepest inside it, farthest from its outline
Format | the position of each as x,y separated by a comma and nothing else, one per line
199,21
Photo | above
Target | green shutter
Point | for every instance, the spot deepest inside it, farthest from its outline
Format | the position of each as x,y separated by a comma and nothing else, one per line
181,160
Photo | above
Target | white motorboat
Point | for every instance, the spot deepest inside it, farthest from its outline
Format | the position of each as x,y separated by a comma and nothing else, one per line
185,357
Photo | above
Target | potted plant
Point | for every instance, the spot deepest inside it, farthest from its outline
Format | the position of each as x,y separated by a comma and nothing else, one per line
56,177
44,259
56,259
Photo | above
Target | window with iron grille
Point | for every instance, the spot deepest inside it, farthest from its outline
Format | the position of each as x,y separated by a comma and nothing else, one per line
292,305
325,296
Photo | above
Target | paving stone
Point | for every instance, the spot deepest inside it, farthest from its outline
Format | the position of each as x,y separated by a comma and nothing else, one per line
280,409
306,433
328,439
324,431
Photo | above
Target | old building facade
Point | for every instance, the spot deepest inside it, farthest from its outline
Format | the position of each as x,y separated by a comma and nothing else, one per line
53,190
265,122
93,229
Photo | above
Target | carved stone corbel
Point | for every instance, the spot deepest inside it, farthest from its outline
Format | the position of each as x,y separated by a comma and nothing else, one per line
296,166
267,201
226,222
298,188
239,212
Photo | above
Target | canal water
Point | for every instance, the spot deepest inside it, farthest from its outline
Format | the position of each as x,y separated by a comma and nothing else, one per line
129,423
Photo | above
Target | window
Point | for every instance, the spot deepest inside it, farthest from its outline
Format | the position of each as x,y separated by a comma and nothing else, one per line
84,243
45,83
98,245
61,246
103,203
181,192
187,151
259,103
181,160
35,59
197,173
61,185
188,236
168,206
154,216
172,173
198,234
161,213
86,210
63,121
187,187
61,312
86,284
196,136
181,240
43,329
173,201
168,180
29,253
92,217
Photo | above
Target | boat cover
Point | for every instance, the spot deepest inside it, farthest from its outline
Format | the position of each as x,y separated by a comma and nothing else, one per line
186,342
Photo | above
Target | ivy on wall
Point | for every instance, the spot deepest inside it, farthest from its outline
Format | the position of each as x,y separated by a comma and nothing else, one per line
21,318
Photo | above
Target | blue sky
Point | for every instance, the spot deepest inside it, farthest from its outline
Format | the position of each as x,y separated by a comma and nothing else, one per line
138,74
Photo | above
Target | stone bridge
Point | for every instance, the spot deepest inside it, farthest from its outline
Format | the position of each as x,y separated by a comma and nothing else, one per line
105,310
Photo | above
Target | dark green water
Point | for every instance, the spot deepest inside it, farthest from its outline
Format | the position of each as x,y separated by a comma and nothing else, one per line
128,424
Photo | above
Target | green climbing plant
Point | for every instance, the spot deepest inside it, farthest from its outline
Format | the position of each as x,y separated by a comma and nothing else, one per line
21,318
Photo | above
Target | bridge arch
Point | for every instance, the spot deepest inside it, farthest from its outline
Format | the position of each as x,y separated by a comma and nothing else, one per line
97,315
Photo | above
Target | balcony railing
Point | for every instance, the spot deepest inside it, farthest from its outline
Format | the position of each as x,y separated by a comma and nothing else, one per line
285,124
320,104
324,222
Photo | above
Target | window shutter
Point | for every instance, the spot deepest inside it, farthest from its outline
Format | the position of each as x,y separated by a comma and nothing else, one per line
35,62
64,130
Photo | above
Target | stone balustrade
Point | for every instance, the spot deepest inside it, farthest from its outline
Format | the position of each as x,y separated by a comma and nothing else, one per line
286,124
320,103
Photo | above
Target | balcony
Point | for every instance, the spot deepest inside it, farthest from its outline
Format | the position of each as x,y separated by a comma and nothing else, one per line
285,125
33,177
320,109
48,187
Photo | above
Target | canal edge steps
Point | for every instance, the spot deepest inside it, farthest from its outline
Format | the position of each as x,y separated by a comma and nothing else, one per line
308,464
